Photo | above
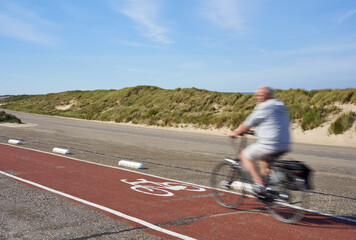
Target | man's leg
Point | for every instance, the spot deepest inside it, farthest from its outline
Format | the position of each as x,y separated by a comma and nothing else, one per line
264,167
251,167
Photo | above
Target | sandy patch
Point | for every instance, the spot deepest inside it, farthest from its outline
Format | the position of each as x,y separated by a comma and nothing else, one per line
316,136
182,128
346,107
17,125
68,106
320,135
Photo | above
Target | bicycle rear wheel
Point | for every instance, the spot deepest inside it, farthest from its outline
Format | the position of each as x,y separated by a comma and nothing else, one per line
223,182
289,205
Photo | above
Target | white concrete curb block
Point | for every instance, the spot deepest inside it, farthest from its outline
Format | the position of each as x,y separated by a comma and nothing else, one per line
130,164
239,186
14,141
61,150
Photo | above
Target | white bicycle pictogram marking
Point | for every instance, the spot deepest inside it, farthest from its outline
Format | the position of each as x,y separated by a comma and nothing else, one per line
161,188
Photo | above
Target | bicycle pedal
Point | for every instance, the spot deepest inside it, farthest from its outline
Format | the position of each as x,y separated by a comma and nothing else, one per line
234,162
283,196
271,191
266,199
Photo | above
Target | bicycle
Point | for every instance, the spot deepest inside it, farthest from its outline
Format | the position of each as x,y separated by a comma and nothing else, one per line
287,185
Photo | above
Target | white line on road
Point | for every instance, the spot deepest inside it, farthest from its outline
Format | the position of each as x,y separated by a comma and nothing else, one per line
117,213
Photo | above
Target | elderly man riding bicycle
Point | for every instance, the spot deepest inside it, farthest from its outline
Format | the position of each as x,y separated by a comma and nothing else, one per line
271,121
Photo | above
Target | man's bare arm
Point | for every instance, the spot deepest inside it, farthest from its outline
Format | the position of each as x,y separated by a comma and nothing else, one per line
240,130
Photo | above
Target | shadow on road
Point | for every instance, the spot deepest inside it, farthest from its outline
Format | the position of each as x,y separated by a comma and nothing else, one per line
319,221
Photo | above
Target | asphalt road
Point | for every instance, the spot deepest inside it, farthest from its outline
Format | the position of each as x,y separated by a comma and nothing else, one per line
180,155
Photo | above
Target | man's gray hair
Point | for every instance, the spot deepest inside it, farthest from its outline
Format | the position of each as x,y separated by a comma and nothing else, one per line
268,90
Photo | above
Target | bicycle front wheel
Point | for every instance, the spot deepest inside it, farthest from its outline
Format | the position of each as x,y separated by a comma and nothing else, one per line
289,206
223,182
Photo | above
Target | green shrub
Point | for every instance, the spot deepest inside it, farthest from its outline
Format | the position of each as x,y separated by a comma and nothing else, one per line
297,110
8,118
313,118
342,123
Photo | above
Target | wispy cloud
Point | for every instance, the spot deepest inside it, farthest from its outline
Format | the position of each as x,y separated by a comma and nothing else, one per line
136,44
224,13
346,15
145,14
20,23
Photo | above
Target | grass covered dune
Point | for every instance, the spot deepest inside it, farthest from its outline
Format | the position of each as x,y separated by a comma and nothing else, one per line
189,106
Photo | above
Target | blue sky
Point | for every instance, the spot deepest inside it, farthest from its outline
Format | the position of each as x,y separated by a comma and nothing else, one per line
51,46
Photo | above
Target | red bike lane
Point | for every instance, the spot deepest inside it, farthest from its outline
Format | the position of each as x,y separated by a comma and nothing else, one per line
193,214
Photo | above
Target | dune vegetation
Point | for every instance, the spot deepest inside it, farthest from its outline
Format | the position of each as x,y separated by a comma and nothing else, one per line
342,123
188,106
8,118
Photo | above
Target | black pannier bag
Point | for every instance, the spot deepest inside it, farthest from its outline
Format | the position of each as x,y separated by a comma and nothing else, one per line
298,169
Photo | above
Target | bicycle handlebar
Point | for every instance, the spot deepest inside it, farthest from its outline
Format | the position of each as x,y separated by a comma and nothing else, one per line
249,132
242,143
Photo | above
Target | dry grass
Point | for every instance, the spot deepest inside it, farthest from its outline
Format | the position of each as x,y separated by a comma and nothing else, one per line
201,108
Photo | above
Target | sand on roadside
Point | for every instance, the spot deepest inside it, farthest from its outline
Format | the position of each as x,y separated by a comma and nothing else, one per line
318,135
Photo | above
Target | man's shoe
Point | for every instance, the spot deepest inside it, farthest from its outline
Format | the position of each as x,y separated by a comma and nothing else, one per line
262,193
258,190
